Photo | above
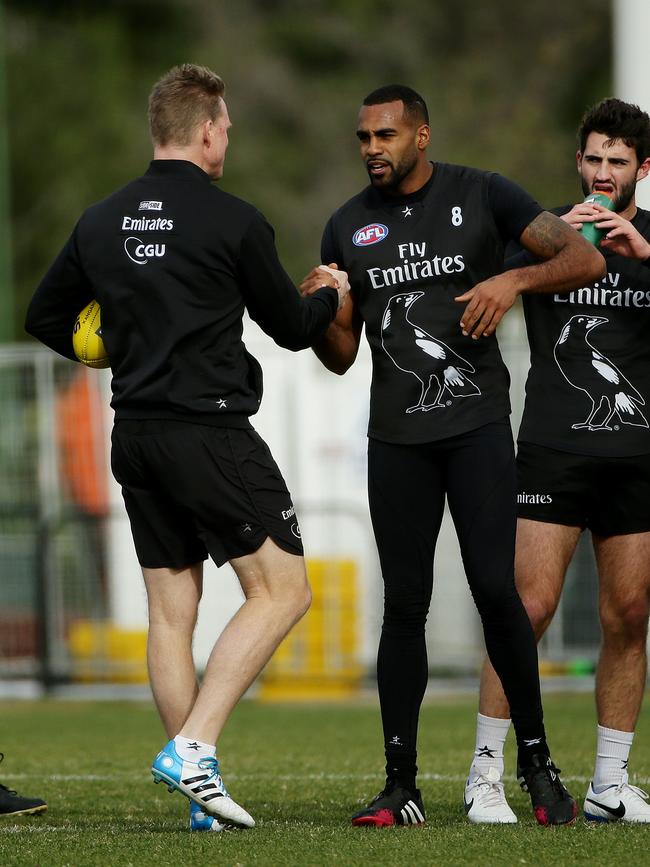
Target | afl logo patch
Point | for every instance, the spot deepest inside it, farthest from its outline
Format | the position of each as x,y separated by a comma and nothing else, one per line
373,233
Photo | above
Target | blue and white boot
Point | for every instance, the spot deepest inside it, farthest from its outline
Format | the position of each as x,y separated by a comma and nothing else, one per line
201,782
200,821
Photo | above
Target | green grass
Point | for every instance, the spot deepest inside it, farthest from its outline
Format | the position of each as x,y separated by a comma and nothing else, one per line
300,770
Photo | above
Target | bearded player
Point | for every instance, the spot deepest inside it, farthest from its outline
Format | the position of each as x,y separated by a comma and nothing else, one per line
583,463
419,241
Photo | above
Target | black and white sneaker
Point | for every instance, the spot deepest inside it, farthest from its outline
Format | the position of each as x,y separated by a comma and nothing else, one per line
552,803
392,806
622,803
13,804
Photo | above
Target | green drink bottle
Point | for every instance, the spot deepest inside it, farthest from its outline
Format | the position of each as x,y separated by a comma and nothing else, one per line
589,230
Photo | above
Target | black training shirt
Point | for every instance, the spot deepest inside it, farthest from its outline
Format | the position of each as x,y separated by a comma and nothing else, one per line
174,261
588,387
407,259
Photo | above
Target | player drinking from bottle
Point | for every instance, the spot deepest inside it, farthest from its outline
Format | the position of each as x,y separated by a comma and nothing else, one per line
583,462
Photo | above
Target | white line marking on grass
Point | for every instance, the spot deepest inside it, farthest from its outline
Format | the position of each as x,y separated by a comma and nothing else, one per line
35,829
68,777
289,778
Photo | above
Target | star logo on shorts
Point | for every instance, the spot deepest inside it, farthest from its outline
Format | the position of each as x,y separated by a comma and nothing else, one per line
407,211
221,404
247,528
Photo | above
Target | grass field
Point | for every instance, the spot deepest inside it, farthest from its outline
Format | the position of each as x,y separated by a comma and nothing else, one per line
300,770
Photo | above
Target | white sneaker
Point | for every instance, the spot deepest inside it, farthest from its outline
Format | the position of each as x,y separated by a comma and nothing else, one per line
201,782
485,800
622,803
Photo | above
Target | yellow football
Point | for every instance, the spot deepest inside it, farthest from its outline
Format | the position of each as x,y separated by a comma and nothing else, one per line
87,337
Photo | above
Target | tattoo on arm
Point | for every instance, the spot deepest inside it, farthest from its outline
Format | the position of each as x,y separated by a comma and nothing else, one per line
546,235
567,259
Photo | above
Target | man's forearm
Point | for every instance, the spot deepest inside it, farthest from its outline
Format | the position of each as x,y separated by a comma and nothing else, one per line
567,260
336,349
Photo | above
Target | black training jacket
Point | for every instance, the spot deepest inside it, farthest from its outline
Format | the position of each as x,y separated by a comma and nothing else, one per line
174,261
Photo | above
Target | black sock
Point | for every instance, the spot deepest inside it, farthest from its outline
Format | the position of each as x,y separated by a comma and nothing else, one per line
402,769
526,751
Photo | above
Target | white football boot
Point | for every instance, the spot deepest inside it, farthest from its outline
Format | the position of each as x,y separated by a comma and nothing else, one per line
485,800
200,821
201,782
622,803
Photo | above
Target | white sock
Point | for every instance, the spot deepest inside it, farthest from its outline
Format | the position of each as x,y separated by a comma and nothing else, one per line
192,750
491,734
612,753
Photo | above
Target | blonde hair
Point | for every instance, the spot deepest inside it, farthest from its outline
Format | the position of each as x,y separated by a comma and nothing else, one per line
183,98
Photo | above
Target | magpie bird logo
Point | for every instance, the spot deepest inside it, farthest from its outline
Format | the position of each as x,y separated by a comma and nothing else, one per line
612,397
441,372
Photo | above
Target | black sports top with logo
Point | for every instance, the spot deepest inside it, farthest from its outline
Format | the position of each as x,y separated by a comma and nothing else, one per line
173,261
407,259
588,386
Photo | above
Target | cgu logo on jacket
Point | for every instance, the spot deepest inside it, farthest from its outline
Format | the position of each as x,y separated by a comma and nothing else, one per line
140,253
373,233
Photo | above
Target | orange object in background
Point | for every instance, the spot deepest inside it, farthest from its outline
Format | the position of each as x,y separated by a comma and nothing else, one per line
82,442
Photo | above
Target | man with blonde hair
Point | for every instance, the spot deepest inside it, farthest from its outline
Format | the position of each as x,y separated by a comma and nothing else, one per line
174,262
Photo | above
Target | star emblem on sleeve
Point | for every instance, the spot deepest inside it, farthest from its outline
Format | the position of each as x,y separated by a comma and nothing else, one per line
407,211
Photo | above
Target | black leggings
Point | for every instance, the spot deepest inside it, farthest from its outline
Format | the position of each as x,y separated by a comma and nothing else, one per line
407,485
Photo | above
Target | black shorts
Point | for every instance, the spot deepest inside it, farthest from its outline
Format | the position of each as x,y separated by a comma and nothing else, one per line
609,496
191,490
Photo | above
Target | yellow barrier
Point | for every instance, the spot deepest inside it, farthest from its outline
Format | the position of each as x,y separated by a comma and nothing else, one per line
319,659
104,652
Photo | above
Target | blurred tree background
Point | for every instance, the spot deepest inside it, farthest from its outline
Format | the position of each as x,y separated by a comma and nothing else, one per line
506,83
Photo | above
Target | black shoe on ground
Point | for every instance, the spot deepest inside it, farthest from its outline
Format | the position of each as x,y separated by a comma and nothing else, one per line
392,806
13,804
552,803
